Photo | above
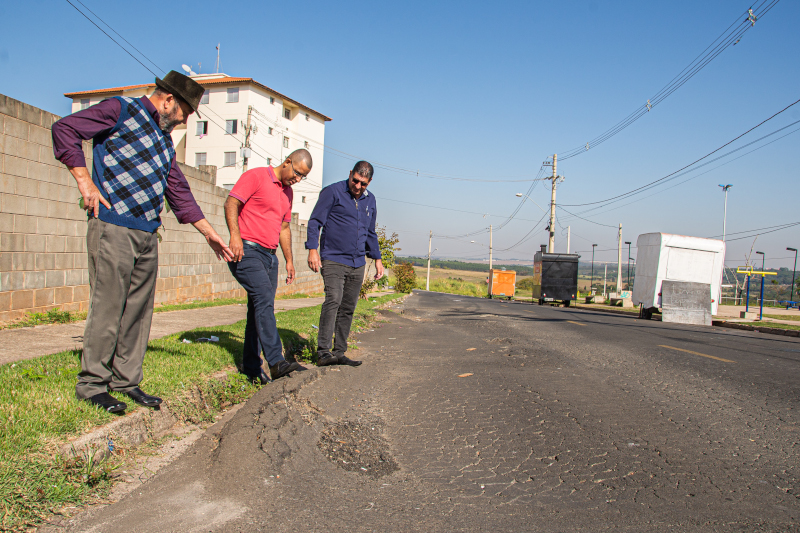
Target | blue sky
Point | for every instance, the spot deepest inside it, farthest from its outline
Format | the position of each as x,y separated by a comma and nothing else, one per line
469,89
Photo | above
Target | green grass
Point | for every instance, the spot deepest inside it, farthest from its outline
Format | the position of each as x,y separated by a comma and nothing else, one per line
784,317
764,323
39,412
454,286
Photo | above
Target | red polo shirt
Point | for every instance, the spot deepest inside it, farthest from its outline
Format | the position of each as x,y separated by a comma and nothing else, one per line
267,204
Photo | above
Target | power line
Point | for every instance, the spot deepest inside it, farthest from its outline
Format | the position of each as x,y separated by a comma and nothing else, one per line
643,187
661,191
729,37
268,122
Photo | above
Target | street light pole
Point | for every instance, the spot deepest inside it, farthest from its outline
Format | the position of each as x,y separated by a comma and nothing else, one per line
591,283
725,213
791,292
629,264
761,309
428,278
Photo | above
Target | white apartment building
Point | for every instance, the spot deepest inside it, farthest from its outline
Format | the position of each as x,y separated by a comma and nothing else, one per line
278,125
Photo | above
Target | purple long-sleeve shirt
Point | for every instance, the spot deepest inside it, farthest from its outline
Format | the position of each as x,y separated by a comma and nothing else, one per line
95,123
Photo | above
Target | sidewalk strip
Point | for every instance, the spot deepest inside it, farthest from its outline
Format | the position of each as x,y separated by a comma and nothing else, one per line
578,323
697,353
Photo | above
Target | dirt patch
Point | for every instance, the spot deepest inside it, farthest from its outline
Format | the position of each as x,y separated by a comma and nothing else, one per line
357,447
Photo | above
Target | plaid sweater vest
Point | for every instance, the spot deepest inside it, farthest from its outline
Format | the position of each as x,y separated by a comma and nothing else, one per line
131,167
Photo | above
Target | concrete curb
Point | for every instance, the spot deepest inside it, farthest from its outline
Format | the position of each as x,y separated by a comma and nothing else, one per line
612,311
718,323
759,329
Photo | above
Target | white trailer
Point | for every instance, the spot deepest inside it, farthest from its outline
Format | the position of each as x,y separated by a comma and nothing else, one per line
661,256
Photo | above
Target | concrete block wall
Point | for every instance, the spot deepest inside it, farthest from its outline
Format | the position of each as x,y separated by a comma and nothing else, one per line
43,261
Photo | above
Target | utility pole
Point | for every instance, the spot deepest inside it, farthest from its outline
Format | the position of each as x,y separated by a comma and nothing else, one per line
791,292
490,248
605,275
551,243
248,129
568,235
619,260
428,278
629,264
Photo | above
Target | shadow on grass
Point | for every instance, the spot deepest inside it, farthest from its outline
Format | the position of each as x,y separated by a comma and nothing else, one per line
296,346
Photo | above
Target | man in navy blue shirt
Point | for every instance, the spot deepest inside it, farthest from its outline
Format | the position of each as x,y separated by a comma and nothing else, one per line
346,214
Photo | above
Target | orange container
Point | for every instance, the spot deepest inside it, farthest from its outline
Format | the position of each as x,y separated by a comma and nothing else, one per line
502,283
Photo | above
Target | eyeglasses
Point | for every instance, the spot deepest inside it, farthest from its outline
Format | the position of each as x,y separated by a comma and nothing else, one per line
359,182
297,175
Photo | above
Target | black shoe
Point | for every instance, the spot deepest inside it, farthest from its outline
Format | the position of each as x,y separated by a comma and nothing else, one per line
327,359
284,368
344,360
107,402
137,395
259,379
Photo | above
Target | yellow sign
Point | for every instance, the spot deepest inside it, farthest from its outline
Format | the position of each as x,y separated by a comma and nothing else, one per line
750,272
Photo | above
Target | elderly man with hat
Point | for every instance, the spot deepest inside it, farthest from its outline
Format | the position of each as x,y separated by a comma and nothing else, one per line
134,169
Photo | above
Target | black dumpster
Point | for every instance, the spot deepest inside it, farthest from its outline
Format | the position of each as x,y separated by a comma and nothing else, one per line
555,277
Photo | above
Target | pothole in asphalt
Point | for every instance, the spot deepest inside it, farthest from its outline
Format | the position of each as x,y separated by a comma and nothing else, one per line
357,447
500,340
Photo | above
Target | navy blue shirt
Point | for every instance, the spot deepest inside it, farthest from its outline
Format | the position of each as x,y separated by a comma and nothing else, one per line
347,224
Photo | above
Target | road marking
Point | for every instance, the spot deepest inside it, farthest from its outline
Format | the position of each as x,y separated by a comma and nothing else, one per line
697,353
578,323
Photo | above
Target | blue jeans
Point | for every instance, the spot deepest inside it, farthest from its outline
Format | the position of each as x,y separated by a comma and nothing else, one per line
257,272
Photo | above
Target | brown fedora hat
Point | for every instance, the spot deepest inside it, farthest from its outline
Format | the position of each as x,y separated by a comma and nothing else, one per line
183,87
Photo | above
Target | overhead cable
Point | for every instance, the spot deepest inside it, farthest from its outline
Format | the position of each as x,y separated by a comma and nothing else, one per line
730,37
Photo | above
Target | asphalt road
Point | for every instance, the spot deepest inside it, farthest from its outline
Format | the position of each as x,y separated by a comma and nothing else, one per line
478,415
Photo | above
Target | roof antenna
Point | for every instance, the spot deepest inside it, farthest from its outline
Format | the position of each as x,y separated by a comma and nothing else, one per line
216,67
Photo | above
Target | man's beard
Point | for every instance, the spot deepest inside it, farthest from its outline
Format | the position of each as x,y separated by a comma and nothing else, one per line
168,122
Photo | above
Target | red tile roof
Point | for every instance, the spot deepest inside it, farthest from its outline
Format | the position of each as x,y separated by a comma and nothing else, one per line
203,82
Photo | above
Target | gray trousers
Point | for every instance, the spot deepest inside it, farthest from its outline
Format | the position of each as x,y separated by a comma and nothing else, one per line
342,286
123,265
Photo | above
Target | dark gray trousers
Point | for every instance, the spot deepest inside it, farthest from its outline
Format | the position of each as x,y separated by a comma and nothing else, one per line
342,286
123,265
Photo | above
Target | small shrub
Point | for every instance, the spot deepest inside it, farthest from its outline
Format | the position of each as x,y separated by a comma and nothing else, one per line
406,277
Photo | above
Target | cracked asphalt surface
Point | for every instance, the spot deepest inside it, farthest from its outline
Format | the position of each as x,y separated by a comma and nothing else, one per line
501,417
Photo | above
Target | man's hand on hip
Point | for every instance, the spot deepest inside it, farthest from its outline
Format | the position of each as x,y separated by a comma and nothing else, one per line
289,272
379,268
314,262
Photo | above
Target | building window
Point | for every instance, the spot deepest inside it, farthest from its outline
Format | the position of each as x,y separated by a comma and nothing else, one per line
231,126
271,100
230,159
286,142
303,199
305,144
200,159
269,130
269,161
306,116
233,94
202,127
204,99
85,102
287,113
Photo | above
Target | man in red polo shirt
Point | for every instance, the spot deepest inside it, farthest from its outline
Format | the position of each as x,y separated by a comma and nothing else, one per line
258,211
